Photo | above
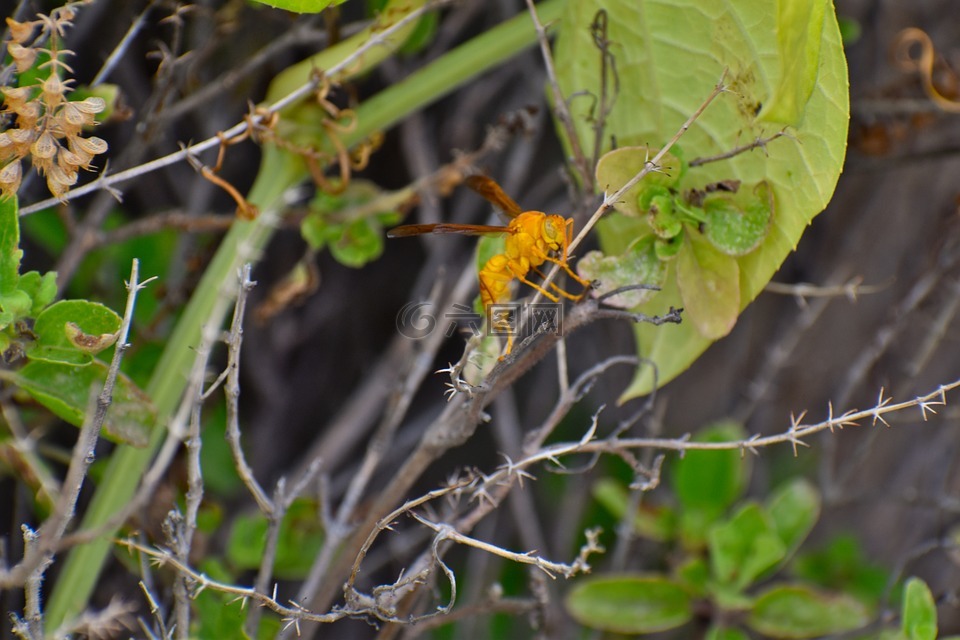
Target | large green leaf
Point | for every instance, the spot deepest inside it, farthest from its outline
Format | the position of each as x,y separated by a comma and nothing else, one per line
66,391
669,55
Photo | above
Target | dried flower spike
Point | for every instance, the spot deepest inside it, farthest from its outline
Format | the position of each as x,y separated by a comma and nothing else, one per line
46,127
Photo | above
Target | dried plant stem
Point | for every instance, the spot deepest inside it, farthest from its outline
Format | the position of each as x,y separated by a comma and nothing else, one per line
560,107
118,52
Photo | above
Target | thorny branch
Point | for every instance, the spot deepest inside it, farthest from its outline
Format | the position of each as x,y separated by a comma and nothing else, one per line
382,604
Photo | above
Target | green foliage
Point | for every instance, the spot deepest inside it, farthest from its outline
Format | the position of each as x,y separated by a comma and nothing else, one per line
22,296
300,537
301,6
353,239
61,346
841,565
671,72
729,545
706,483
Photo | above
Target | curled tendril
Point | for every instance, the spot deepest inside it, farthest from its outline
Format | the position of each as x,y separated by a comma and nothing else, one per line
915,52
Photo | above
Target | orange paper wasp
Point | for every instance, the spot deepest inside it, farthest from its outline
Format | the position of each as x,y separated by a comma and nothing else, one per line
533,237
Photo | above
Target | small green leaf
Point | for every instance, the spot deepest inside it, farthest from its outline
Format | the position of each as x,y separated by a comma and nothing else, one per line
423,34
92,321
841,566
799,36
663,218
850,30
694,575
725,633
10,253
618,167
794,509
652,522
667,250
313,229
353,233
709,283
637,265
17,303
629,604
919,617
796,611
360,242
66,391
711,480
300,536
744,547
218,615
737,226
41,289
301,6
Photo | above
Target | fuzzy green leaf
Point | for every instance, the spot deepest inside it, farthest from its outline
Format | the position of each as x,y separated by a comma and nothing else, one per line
639,264
629,604
736,225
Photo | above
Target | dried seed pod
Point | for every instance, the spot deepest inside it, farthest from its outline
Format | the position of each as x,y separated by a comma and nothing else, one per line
45,147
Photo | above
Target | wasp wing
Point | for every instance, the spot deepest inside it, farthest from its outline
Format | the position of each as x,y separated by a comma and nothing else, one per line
492,192
444,227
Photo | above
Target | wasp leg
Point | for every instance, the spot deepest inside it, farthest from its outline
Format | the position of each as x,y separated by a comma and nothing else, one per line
566,267
558,289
